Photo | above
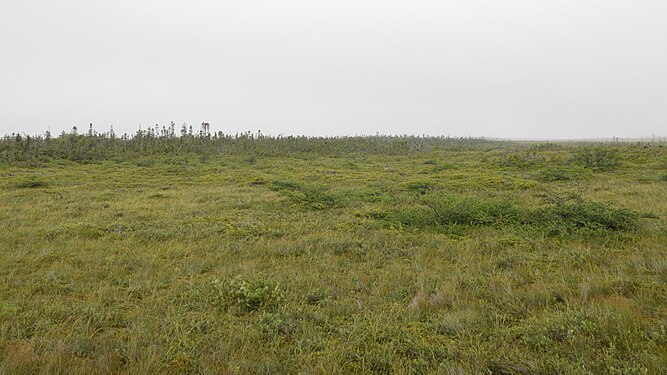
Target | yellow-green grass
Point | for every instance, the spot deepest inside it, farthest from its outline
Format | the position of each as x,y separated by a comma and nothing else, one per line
304,265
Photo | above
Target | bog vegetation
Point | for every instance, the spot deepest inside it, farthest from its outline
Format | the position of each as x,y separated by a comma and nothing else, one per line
180,252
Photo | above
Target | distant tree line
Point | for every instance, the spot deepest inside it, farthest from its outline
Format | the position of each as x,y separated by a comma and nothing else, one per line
91,145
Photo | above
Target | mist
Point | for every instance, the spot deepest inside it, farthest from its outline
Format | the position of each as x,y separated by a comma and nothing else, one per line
511,69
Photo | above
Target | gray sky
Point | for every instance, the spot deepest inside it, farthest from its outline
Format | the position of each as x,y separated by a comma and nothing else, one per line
511,68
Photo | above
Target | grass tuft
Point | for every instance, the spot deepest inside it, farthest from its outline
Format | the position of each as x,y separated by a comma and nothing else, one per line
32,183
246,295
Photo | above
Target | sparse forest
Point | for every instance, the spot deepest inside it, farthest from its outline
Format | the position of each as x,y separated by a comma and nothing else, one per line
178,250
166,141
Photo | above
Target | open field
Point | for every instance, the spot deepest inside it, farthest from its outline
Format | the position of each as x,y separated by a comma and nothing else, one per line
446,257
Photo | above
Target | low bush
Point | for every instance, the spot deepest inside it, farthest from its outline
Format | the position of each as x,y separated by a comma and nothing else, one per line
560,173
598,158
311,196
470,210
561,216
31,183
584,215
521,159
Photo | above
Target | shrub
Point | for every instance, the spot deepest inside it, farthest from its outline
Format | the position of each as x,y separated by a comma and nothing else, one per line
598,158
560,174
414,217
421,187
311,196
469,210
31,183
246,295
584,215
561,216
145,162
521,159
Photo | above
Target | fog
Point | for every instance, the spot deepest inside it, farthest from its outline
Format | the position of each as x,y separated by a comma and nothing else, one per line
510,69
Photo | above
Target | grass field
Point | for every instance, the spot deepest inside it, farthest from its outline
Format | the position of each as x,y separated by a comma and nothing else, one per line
503,259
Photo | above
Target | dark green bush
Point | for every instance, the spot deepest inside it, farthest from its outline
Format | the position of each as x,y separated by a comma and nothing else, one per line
312,196
584,215
560,173
414,217
446,209
561,216
470,210
285,185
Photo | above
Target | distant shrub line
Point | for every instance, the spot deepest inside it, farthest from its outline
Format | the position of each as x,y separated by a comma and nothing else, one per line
561,165
95,147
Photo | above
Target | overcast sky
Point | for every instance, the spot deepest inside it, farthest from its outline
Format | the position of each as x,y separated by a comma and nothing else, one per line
511,68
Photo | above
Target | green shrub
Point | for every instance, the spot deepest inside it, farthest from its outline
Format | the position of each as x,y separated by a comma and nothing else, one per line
356,196
584,215
145,162
246,295
312,196
560,173
521,159
285,185
414,217
421,187
598,158
32,183
470,210
562,216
